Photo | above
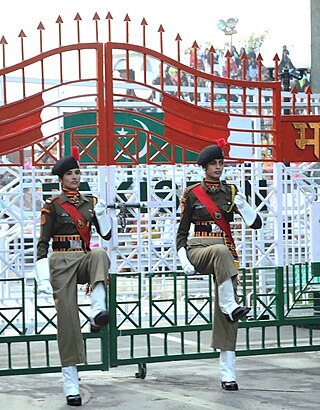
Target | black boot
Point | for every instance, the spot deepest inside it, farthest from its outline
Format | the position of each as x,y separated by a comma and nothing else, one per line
74,400
99,321
230,386
238,313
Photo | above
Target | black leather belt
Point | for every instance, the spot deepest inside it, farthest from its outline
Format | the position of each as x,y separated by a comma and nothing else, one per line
203,228
212,234
207,228
74,243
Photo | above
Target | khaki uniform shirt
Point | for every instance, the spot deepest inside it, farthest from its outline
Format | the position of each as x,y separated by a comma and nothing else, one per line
56,221
192,210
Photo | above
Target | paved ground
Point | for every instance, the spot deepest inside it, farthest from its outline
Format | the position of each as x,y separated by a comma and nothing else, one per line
273,382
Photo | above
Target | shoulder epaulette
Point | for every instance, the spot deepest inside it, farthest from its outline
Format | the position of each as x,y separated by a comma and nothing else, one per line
93,198
191,187
52,199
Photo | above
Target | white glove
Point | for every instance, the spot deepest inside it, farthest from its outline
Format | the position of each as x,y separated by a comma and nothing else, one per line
101,207
103,220
42,274
187,267
248,214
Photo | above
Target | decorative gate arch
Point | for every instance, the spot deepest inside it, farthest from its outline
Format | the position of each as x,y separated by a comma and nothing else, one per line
138,139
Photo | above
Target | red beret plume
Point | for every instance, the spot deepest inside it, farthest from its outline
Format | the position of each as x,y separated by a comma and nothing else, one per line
221,142
75,152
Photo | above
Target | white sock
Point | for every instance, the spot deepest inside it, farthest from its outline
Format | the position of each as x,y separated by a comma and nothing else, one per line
227,365
227,301
70,380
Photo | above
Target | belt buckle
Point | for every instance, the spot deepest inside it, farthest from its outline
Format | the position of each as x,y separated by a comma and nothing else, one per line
216,229
75,244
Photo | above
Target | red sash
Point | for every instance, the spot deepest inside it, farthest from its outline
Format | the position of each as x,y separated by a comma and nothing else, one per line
79,221
217,216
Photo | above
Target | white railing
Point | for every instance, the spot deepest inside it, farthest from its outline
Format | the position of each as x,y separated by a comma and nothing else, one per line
284,202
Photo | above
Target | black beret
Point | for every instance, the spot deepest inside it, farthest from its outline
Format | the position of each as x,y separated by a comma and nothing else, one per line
64,165
209,154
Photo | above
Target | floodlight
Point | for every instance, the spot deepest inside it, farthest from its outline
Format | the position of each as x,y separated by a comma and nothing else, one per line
231,22
221,25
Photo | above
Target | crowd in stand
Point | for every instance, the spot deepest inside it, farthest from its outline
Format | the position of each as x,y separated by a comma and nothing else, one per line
235,69
236,64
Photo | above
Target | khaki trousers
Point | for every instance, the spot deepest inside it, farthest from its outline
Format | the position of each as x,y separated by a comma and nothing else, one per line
67,269
211,256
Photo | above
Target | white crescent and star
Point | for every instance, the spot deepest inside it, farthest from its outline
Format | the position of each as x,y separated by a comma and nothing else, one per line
143,150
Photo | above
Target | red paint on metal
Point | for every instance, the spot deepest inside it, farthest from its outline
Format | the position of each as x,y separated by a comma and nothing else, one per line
300,138
190,126
20,124
105,95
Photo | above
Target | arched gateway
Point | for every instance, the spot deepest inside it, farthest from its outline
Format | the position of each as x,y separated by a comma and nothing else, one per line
139,137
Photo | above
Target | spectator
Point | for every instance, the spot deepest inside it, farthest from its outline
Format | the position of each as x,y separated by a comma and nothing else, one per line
286,63
252,69
251,54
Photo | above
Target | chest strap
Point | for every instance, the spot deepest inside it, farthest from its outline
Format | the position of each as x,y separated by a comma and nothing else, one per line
79,221
217,216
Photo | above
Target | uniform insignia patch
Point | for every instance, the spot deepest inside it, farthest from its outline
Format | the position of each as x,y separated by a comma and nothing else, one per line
182,204
46,210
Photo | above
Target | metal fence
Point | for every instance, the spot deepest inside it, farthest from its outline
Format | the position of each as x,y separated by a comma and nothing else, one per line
168,317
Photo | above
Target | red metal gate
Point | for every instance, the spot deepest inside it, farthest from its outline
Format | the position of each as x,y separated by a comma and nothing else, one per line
38,92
